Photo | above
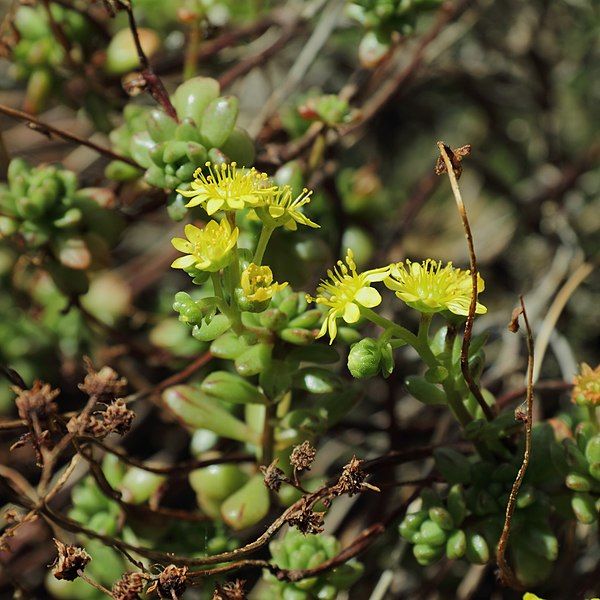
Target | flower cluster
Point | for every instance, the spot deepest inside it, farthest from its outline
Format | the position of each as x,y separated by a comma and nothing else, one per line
427,287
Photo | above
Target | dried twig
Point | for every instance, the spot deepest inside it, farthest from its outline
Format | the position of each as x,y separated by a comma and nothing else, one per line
451,163
506,574
50,130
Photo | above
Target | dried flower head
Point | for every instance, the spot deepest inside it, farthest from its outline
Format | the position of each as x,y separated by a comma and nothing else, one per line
232,590
278,207
225,187
274,476
129,587
172,581
306,520
37,401
70,560
105,384
586,386
257,283
430,287
117,418
455,155
303,456
345,291
352,479
207,249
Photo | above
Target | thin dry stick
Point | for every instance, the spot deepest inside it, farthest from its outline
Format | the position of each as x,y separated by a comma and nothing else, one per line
50,130
155,85
506,575
464,352
555,311
94,584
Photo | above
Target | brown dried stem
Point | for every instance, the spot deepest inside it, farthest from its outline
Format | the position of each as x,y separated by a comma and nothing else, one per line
50,130
506,574
464,352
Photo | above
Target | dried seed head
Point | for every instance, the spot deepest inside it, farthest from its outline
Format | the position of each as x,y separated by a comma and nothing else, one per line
105,384
455,155
352,479
38,401
117,418
306,520
232,590
70,560
172,582
302,456
129,586
513,325
274,476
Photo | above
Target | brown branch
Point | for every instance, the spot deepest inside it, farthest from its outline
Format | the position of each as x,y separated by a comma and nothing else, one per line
50,130
155,85
464,351
506,575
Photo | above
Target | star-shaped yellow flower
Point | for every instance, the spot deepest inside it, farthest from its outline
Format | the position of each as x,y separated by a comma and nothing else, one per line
225,187
277,206
430,287
345,291
208,249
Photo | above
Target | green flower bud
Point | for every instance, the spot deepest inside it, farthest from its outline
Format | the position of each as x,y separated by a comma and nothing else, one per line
584,508
454,466
193,96
196,410
427,555
218,120
217,482
364,359
373,49
425,392
254,360
228,387
477,550
189,311
456,545
247,506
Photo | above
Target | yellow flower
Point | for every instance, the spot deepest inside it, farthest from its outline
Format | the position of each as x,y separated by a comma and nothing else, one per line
225,187
345,291
429,288
586,386
257,283
279,207
207,249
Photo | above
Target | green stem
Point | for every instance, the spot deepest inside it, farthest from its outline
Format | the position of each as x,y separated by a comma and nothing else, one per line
593,416
230,312
424,324
265,236
410,338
